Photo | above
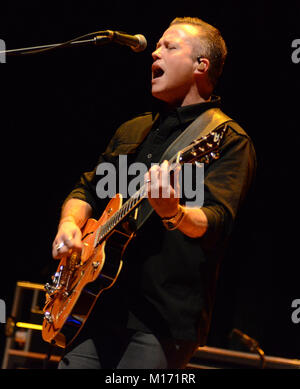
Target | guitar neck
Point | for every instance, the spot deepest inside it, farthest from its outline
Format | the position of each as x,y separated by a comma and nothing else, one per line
120,215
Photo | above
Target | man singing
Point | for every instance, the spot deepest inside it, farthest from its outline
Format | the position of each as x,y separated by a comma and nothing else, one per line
158,312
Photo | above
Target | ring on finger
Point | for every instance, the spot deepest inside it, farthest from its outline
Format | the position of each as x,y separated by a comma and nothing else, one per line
59,246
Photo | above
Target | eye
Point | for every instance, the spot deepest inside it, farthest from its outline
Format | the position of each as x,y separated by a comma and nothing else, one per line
171,46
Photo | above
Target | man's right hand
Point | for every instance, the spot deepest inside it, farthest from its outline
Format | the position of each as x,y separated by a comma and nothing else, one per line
67,238
74,215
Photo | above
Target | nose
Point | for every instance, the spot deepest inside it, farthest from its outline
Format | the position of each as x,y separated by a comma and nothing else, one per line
156,54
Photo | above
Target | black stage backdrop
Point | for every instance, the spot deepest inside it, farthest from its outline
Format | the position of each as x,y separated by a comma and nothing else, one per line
58,111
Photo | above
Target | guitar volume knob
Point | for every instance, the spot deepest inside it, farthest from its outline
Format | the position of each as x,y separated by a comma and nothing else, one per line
48,317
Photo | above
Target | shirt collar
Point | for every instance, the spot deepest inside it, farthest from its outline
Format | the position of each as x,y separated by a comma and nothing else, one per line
186,113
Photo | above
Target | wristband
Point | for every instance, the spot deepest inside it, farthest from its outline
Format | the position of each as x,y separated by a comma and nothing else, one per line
171,223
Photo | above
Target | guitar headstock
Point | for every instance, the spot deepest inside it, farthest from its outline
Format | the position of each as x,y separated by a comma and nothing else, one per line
204,149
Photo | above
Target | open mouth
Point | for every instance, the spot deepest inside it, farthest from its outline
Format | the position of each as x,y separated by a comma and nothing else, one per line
157,72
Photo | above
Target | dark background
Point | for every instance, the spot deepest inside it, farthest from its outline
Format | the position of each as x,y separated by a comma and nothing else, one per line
58,111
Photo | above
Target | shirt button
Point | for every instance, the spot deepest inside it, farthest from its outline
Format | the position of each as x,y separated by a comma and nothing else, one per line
149,156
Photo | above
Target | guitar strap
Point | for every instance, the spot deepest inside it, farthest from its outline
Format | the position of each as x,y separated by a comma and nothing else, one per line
200,127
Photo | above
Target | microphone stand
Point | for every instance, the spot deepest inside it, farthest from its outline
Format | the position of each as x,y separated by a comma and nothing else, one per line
99,38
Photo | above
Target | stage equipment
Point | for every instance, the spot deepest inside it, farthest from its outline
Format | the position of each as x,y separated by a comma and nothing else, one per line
24,348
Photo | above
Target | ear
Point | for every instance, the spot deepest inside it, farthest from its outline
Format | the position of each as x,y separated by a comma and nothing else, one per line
202,65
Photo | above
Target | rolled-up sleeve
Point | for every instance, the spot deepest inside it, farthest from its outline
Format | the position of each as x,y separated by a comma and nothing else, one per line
227,182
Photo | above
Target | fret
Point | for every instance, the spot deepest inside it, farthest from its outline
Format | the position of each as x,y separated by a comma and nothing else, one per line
127,207
130,203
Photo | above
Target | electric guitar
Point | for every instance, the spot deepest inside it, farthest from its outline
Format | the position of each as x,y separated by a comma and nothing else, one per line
81,277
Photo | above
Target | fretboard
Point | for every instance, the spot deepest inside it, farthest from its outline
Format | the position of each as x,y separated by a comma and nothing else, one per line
120,215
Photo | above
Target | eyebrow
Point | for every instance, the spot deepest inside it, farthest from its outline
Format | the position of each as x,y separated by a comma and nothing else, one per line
158,43
166,41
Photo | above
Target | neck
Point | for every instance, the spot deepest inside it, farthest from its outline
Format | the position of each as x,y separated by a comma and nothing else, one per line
197,100
194,95
188,100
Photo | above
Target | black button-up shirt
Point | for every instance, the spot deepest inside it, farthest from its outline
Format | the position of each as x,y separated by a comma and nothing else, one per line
167,283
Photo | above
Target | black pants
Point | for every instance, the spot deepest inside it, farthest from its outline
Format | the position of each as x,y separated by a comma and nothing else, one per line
127,349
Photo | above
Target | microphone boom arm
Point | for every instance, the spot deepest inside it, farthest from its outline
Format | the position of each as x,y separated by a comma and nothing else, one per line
98,38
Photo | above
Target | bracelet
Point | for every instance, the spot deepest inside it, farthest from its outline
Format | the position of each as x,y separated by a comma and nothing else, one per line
171,223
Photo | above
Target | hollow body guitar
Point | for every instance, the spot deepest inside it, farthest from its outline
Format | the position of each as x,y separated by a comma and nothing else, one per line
82,277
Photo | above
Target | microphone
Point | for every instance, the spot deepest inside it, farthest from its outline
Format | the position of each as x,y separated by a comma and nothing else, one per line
136,42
